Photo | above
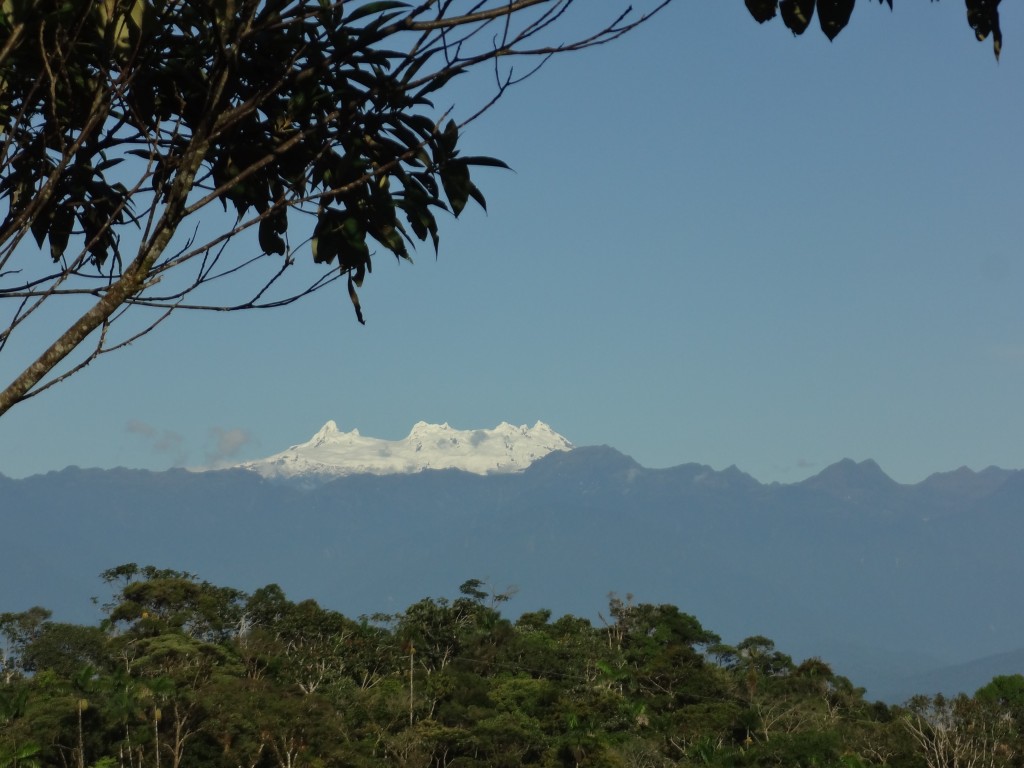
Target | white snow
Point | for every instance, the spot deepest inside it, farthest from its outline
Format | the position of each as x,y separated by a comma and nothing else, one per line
333,453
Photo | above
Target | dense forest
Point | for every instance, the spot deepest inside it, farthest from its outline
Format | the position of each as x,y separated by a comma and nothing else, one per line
183,673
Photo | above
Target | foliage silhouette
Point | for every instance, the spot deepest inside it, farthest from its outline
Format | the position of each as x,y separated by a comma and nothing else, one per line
312,121
834,15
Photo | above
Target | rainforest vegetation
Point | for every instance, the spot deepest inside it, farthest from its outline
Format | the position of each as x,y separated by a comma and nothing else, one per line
184,673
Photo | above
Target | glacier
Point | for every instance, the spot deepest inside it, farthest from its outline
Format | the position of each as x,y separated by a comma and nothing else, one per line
333,453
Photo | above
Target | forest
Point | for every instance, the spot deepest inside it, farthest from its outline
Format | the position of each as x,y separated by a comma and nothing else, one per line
181,672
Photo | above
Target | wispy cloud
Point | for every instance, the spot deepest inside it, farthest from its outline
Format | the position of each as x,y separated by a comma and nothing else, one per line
163,442
227,443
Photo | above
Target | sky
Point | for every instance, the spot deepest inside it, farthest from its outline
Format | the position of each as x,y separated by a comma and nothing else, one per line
718,244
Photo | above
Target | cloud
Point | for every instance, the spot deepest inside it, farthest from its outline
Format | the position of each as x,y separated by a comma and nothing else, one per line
227,443
163,442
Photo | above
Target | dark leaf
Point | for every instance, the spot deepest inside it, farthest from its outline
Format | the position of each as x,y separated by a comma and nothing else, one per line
834,15
435,83
355,300
405,135
456,183
389,236
414,65
377,23
422,124
270,240
341,235
99,236
41,225
106,164
362,77
60,231
761,10
446,141
796,14
983,16
326,240
416,205
353,248
429,185
477,195
371,8
418,224
491,162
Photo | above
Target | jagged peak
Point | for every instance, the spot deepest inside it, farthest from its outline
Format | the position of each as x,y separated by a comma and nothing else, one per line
847,474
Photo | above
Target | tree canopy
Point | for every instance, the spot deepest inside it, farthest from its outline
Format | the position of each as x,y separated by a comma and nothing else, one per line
182,672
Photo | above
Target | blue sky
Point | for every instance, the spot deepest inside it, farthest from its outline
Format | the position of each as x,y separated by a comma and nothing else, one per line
719,244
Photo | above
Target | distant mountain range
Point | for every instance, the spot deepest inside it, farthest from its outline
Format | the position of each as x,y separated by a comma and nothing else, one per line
903,588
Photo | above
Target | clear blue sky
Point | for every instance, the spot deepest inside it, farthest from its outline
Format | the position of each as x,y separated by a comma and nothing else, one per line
720,244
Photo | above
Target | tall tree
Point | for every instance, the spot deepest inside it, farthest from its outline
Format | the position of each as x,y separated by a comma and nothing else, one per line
959,732
17,632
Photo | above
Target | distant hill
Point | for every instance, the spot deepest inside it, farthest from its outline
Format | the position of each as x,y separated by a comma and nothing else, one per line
890,583
967,677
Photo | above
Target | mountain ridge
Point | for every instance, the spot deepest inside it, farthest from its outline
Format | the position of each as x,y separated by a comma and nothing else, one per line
540,440
819,567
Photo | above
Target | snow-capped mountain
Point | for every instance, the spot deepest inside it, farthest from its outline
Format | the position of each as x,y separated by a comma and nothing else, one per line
333,453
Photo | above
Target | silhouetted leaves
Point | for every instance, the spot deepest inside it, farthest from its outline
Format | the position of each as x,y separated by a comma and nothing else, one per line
834,15
983,16
319,112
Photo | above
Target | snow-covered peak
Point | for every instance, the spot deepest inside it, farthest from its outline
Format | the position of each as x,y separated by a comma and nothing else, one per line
326,433
422,428
334,453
